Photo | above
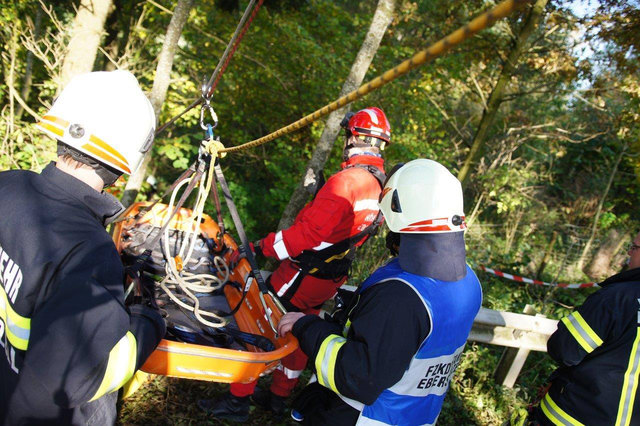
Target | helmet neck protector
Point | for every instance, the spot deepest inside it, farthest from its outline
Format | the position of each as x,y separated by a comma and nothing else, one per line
439,256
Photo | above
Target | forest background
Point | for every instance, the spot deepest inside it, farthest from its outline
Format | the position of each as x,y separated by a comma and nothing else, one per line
538,116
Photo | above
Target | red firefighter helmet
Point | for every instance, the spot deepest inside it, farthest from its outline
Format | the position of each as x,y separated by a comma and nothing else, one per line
371,124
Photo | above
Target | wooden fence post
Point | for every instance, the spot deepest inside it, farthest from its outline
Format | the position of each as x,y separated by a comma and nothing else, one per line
512,360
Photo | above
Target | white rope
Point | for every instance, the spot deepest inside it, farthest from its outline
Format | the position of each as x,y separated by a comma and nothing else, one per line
187,282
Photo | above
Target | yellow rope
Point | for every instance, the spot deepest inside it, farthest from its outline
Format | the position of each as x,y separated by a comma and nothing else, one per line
437,49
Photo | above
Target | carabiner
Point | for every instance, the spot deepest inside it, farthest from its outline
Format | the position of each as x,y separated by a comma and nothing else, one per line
206,104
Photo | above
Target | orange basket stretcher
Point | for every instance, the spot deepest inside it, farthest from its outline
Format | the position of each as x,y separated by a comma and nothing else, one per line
200,362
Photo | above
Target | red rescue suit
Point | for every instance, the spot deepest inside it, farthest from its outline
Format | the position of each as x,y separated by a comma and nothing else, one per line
345,206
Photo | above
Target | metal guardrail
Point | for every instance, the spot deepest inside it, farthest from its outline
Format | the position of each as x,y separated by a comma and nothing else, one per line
520,333
512,330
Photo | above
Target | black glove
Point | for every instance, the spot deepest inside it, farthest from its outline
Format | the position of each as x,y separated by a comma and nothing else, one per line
257,250
144,290
314,398
343,303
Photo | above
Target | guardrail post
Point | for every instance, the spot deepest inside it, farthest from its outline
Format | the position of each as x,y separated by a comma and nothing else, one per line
512,359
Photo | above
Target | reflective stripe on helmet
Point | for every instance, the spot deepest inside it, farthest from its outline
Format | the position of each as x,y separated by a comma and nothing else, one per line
102,156
56,120
372,114
435,225
95,147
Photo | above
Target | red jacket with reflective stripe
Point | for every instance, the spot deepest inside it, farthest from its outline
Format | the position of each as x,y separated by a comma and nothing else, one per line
344,206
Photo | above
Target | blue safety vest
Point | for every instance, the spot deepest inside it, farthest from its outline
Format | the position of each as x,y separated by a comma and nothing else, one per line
416,399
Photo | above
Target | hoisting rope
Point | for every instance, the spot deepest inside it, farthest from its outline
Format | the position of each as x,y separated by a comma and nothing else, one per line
242,27
483,21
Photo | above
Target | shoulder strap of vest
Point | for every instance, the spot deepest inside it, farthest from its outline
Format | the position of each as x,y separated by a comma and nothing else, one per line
376,172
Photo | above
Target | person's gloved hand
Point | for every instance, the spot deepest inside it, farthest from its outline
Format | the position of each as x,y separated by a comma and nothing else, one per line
311,399
235,257
239,253
256,249
147,296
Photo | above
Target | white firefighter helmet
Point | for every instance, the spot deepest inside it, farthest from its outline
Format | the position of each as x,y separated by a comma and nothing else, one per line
422,196
104,115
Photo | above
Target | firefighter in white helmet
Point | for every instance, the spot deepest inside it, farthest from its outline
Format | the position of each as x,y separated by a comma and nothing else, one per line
389,356
69,341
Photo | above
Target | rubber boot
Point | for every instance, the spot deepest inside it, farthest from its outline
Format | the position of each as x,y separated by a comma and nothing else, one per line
269,401
229,407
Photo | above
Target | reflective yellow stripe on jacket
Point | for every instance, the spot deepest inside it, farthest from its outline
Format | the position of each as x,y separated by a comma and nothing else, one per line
120,367
630,385
556,414
580,330
326,361
17,327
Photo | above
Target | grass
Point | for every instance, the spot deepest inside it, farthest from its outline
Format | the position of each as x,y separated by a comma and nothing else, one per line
171,401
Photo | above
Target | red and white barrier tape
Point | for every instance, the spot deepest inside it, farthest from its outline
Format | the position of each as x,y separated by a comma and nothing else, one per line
532,281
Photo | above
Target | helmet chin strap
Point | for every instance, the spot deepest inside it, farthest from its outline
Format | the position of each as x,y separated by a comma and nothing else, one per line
352,150
355,145
108,175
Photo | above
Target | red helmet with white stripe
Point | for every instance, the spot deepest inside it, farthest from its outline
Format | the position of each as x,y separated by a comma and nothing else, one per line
370,125
422,197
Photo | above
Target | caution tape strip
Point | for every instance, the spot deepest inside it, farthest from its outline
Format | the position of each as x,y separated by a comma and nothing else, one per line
442,46
532,281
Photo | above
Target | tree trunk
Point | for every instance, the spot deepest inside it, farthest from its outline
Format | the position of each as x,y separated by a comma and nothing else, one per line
512,230
547,255
110,42
88,27
159,90
493,104
381,20
601,264
594,227
28,71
